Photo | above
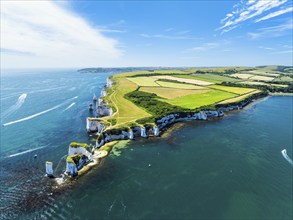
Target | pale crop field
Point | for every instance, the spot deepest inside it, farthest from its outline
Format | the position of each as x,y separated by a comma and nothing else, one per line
179,85
171,93
262,78
242,75
198,77
236,90
197,100
143,81
191,81
216,78
263,73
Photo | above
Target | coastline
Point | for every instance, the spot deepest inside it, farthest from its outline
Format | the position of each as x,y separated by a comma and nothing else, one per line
145,130
280,94
107,138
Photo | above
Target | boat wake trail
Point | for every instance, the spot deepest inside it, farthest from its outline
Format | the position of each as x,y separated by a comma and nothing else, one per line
24,152
16,106
285,155
38,114
72,104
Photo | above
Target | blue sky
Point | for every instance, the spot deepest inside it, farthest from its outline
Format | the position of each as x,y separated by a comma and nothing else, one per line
162,33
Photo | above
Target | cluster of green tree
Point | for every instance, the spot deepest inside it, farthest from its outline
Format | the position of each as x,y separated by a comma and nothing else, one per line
113,121
285,69
150,102
221,73
268,88
154,74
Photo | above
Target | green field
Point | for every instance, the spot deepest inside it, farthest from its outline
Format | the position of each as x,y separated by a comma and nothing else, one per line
236,90
198,100
216,78
239,98
284,79
170,93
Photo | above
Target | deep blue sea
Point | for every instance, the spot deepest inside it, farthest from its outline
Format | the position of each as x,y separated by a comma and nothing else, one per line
230,168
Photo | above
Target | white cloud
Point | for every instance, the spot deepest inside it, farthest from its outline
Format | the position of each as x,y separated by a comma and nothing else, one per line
203,47
274,31
283,52
245,11
52,36
188,58
275,14
169,37
169,29
266,48
182,32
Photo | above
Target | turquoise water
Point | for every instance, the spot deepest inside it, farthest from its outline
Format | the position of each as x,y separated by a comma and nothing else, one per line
230,168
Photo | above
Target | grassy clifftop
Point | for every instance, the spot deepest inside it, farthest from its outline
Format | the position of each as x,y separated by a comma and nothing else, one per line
144,96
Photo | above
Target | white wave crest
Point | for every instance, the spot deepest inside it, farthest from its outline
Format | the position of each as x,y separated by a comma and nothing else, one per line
285,155
16,106
72,104
38,114
24,152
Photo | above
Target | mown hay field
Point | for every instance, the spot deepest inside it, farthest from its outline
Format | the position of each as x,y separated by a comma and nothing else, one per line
262,78
143,81
242,75
171,93
179,85
262,73
185,80
197,77
197,100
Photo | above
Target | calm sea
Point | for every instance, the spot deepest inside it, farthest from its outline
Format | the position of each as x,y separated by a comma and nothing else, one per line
230,168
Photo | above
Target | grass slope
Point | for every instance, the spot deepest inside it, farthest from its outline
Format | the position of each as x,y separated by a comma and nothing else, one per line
126,111
236,90
239,98
197,100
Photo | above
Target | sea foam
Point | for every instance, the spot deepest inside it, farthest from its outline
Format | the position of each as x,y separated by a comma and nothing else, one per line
39,113
24,152
16,106
285,155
